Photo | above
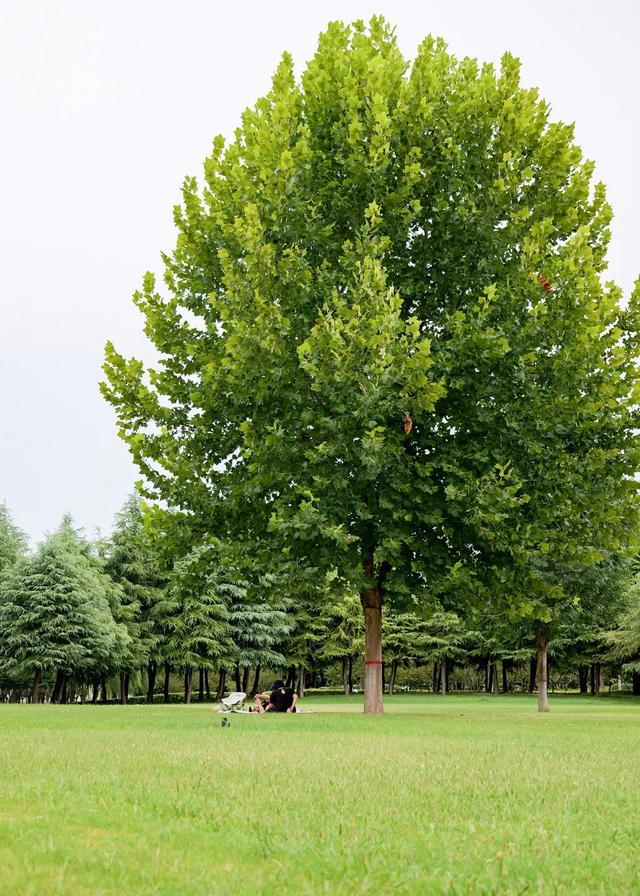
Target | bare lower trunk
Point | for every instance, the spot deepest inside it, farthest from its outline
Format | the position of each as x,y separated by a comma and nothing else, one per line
494,678
245,679
207,689
124,686
152,669
372,603
635,684
188,679
255,687
436,677
166,683
95,690
443,677
542,650
351,675
222,680
533,674
505,667
392,676
200,684
583,678
236,674
345,674
35,687
103,688
291,677
58,687
300,683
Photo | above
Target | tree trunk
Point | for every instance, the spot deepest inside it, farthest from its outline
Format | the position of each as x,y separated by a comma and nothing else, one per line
392,676
371,599
542,651
207,689
592,676
443,676
188,680
166,683
245,679
597,677
124,686
200,684
635,684
487,676
351,675
291,677
436,677
300,683
103,688
255,687
533,673
505,683
152,669
583,678
494,678
345,674
56,694
222,680
95,690
236,673
35,687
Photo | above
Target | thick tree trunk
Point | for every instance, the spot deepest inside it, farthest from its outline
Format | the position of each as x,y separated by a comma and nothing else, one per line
635,684
351,675
592,676
200,684
443,676
56,694
152,669
103,688
372,604
166,683
436,677
236,675
300,683
255,687
95,690
124,686
291,677
583,678
505,683
188,681
207,689
392,676
597,678
35,687
487,676
222,681
345,674
533,674
245,679
494,679
542,651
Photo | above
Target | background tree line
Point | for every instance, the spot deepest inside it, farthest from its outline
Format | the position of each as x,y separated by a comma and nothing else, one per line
110,618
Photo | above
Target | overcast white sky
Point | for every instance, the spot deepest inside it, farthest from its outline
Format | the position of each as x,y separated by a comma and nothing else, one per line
104,107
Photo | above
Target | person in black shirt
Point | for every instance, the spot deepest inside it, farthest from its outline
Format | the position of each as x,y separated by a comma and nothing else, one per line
281,699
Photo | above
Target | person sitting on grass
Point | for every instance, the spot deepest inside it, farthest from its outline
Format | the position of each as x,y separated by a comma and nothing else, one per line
281,699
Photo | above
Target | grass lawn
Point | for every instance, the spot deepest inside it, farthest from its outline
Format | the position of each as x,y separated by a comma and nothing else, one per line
463,794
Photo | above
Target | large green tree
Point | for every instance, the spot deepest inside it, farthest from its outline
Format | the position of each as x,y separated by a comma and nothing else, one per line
385,338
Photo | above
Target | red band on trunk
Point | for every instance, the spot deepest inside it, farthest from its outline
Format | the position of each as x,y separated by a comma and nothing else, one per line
373,663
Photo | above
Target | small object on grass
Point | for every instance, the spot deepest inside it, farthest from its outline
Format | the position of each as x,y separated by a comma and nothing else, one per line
225,723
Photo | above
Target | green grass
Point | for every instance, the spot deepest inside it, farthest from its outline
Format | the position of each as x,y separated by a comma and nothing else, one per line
458,795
